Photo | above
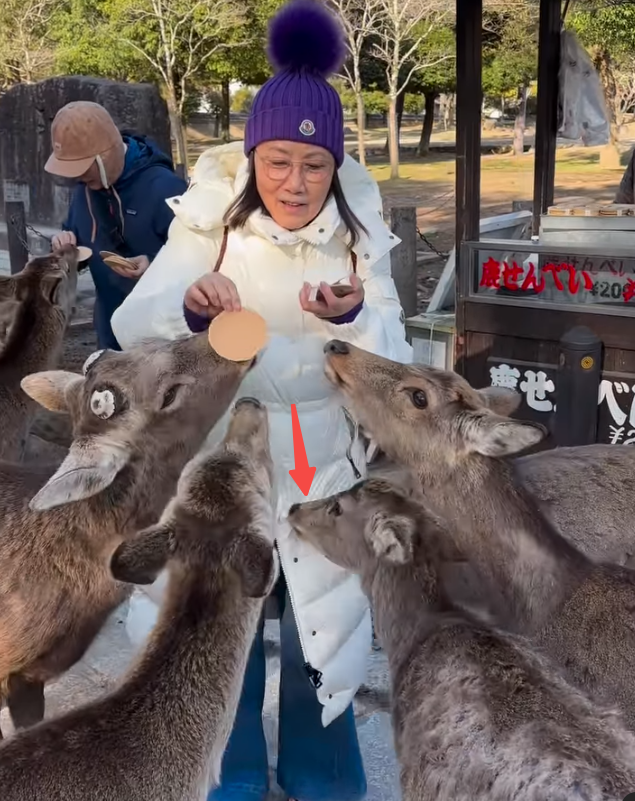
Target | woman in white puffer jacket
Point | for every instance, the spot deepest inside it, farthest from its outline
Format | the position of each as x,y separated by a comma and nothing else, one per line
257,229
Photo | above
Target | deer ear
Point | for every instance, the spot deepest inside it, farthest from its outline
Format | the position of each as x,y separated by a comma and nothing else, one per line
256,563
90,467
141,559
50,286
51,388
391,537
493,435
500,400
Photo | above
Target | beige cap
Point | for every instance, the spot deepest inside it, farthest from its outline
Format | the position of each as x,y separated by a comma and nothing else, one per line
80,131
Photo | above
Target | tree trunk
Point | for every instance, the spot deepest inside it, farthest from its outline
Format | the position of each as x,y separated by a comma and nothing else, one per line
361,125
428,124
450,110
393,137
400,102
225,119
519,124
176,127
610,154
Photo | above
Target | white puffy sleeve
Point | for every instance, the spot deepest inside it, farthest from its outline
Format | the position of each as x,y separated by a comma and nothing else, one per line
154,308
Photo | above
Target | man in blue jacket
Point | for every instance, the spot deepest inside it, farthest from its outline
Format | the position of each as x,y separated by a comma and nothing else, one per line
118,204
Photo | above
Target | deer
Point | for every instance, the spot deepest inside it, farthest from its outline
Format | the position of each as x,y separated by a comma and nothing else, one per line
456,440
36,306
585,492
137,418
476,712
162,733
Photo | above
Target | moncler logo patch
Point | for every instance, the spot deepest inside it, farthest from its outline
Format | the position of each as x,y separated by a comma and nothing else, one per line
307,128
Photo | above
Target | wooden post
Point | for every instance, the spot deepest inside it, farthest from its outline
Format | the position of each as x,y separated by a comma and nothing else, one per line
469,66
469,95
547,108
16,235
181,171
403,258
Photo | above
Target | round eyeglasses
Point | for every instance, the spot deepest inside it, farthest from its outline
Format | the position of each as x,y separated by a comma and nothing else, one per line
279,169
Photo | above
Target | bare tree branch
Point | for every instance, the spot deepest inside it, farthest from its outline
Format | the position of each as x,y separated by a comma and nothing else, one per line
26,52
359,19
403,27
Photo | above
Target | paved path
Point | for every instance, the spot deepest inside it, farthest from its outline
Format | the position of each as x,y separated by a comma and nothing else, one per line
111,653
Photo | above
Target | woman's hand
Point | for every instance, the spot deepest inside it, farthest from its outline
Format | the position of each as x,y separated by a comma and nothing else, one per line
212,294
332,306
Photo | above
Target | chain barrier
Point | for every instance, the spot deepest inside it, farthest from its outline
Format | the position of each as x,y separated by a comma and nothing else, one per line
14,222
441,254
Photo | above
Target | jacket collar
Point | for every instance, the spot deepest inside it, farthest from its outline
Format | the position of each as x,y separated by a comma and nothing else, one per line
225,167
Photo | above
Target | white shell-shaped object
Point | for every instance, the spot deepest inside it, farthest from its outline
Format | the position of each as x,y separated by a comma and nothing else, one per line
92,358
102,403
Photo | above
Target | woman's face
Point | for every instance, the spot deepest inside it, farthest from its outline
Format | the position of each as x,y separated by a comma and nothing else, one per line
293,180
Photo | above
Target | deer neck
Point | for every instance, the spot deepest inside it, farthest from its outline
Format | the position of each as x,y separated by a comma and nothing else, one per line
407,603
194,663
39,350
140,492
500,528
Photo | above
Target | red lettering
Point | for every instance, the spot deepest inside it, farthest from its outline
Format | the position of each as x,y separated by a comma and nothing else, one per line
511,275
491,274
532,281
554,270
629,290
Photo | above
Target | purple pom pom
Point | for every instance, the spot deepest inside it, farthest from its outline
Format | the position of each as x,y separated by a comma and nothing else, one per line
304,35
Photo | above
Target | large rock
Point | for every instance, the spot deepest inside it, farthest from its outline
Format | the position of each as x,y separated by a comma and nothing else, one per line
26,113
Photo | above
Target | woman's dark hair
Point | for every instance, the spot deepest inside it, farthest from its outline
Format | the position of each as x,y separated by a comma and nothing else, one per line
249,201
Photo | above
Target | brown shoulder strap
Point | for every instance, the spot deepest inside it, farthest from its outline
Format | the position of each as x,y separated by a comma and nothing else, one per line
221,253
354,261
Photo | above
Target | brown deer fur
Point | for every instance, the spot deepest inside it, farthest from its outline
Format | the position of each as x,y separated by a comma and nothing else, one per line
35,308
57,532
476,713
586,493
582,613
162,734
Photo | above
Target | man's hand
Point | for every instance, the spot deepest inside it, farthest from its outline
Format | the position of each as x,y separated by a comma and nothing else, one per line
138,266
63,238
141,264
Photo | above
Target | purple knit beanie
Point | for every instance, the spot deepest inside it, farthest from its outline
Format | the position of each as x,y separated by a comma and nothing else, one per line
306,45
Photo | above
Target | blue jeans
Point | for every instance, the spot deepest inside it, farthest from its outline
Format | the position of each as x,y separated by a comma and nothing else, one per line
314,763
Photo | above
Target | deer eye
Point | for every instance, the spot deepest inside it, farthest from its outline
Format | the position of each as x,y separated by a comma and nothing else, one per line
419,398
170,396
335,509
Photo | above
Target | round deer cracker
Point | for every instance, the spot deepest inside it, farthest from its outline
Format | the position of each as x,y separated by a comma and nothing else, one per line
84,253
238,336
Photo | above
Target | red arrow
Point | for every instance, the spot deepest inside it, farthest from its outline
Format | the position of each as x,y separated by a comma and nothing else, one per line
303,474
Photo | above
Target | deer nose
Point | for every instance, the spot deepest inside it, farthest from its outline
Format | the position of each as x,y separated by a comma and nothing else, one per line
294,508
336,346
249,401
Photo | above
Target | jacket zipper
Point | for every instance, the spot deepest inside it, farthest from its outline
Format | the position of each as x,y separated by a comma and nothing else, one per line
353,428
314,674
